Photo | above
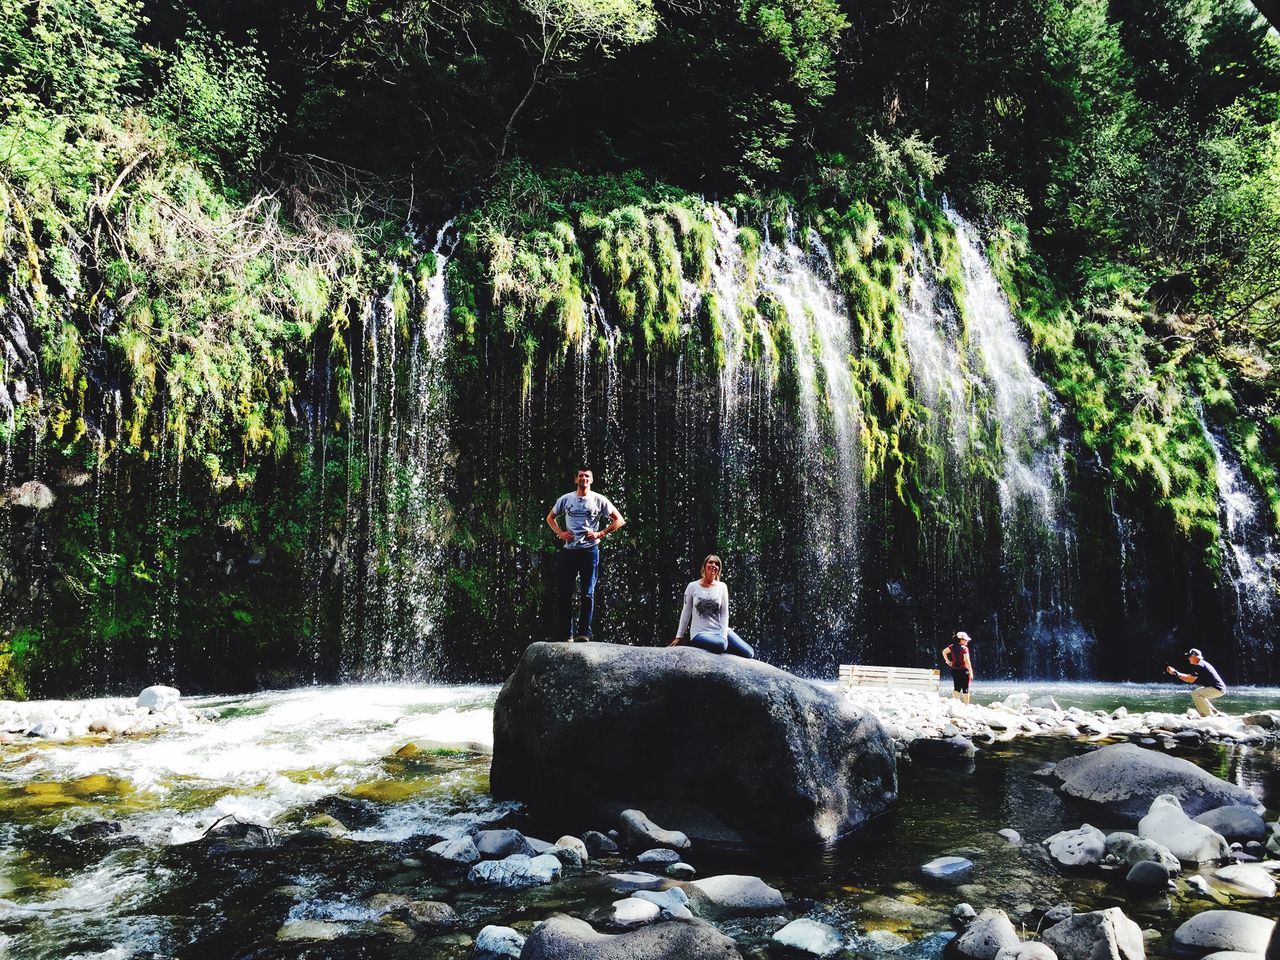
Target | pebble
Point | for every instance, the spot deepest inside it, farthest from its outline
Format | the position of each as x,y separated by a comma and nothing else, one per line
1011,835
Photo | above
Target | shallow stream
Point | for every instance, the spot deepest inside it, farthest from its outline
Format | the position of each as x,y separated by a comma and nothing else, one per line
278,758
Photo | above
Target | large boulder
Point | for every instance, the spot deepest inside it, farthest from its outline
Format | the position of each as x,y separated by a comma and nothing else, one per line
1191,842
1214,930
1078,848
1235,823
567,938
1125,778
596,728
1099,935
989,933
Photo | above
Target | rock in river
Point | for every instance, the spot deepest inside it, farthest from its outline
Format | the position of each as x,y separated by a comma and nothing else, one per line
1214,930
787,761
1099,935
566,938
497,943
1078,848
952,869
516,871
1187,840
811,937
1235,823
1125,778
730,895
642,833
988,934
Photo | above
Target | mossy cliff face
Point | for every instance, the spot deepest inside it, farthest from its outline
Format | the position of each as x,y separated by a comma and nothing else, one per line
281,454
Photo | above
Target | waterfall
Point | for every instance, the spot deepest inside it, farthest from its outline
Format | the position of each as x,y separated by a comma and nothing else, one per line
397,513
1038,623
1251,556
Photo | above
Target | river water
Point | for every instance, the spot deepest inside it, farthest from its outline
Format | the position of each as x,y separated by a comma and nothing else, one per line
276,758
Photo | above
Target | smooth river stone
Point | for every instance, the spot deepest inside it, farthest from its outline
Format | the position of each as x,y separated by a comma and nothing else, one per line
1215,930
1245,880
953,869
732,895
632,912
811,937
636,880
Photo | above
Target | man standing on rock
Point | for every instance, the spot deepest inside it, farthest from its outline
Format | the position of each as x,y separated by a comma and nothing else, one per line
1210,682
583,511
957,658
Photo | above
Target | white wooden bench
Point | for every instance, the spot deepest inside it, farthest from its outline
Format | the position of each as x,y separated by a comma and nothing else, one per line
908,678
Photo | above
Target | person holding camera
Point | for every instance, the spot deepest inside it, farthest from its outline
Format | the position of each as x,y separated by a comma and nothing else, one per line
1210,685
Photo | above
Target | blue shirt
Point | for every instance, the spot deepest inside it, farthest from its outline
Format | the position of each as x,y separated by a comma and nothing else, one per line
1207,676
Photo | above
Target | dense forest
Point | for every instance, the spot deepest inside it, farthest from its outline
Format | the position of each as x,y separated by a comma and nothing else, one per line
308,310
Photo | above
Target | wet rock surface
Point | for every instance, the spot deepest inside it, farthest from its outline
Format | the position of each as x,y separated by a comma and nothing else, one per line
831,767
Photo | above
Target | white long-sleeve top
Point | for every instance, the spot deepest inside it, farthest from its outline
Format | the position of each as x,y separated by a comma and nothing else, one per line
705,608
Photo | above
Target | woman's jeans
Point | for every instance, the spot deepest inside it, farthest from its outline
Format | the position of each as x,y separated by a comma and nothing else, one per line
728,642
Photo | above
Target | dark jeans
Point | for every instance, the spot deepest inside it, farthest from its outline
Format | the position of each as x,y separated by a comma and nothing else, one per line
728,642
585,563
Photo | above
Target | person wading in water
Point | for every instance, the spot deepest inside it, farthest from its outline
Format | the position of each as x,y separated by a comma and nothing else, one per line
957,658
582,511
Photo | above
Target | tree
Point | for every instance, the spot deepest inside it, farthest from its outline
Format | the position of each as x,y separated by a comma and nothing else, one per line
563,30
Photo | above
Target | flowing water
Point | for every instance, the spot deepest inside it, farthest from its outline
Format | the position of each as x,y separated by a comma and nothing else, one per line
1036,529
278,758
1251,556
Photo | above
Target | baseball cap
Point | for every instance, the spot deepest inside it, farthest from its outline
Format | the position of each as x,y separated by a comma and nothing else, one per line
1193,652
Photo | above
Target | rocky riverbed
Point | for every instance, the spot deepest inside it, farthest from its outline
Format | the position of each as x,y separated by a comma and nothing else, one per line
909,716
311,824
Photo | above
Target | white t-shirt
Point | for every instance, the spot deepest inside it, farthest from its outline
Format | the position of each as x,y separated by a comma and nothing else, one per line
705,609
582,514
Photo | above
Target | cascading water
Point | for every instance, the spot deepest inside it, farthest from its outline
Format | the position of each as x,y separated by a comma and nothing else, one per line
1037,540
1251,557
393,587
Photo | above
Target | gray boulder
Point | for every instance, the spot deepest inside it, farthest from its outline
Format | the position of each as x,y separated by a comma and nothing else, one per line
637,880
659,856
1273,945
811,937
1148,875
787,761
599,845
1099,935
461,851
988,934
515,872
496,844
1235,823
1125,778
1027,950
1246,880
497,943
1084,847
1131,849
731,895
641,833
673,903
1214,930
681,871
949,869
566,938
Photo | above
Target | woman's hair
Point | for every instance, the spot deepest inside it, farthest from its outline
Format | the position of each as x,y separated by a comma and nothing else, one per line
710,557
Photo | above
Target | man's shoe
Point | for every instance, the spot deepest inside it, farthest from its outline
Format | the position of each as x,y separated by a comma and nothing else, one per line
582,638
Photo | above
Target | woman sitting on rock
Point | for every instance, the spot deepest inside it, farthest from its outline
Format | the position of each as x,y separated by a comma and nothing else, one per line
705,616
